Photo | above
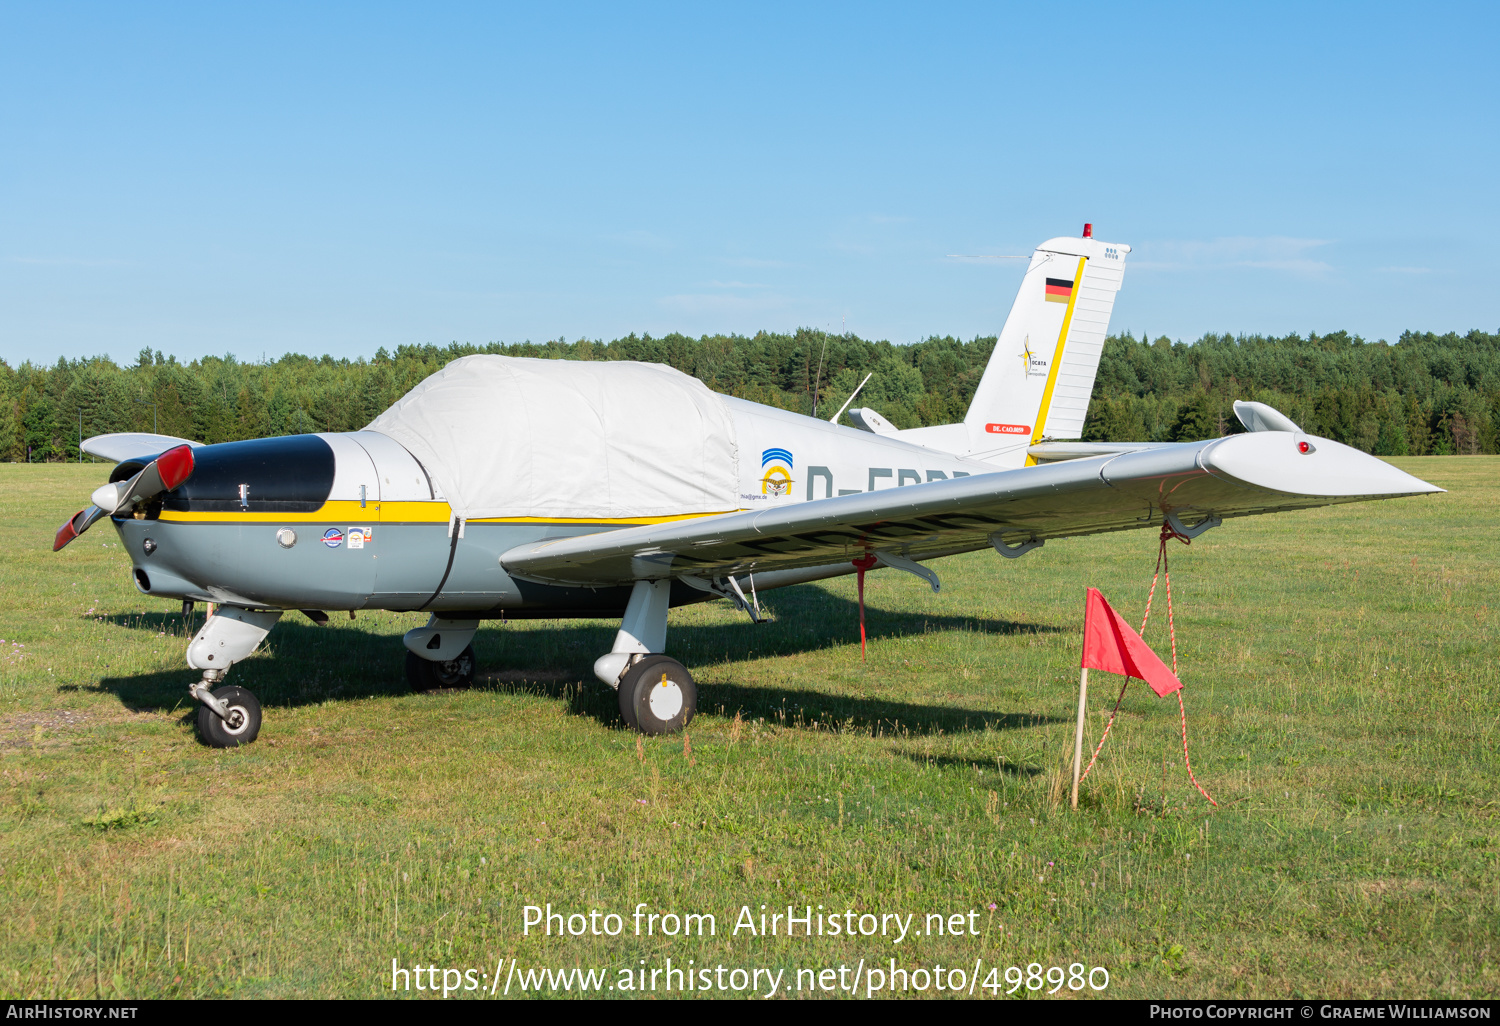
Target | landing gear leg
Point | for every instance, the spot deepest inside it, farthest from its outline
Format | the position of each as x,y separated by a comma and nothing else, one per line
428,675
228,716
657,694
440,655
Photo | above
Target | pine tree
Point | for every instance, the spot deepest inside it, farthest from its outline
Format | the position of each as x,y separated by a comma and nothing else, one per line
11,449
1198,419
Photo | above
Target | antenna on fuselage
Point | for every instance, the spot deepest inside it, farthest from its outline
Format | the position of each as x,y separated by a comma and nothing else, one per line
835,418
818,381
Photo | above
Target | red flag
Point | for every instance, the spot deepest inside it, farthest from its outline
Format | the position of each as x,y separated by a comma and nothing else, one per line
1111,645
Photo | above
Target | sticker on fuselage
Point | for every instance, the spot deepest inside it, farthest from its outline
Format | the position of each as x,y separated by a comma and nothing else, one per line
333,537
359,536
776,466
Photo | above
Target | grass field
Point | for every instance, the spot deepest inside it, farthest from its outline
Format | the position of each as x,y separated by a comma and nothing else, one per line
1341,695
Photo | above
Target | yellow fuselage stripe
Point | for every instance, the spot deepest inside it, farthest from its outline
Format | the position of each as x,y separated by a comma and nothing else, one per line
1057,355
351,511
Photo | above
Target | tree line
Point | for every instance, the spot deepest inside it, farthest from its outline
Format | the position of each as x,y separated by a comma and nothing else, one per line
1424,394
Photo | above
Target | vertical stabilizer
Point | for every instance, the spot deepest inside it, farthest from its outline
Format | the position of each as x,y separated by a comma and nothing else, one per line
1041,374
1040,377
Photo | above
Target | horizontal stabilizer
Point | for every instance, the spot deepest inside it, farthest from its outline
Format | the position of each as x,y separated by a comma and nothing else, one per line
1056,452
1260,417
867,419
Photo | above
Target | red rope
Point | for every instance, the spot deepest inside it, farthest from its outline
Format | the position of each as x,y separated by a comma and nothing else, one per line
1185,760
863,563
1163,572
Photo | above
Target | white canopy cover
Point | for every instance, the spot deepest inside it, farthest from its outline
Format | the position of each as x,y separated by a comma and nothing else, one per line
507,436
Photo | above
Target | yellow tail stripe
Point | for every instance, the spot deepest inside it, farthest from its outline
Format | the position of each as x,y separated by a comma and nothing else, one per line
1057,355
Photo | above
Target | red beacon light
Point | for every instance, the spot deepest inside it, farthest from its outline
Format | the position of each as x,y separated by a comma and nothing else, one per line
1305,447
1088,230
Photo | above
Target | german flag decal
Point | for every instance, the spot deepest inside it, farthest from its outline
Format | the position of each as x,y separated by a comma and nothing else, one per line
1059,290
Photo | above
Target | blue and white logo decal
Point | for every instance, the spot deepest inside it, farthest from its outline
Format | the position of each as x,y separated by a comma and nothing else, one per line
333,537
776,470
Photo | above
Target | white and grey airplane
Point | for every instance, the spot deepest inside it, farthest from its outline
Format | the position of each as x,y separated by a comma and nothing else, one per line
509,487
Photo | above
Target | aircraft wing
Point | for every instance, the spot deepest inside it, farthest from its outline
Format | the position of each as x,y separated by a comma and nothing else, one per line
1242,475
132,445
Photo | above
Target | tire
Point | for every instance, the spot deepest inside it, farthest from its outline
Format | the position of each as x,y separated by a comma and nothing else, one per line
658,696
243,725
425,675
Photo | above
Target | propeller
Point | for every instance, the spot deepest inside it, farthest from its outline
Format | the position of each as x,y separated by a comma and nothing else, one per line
162,474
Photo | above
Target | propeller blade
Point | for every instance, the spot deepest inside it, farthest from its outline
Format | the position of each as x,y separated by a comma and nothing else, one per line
162,474
76,525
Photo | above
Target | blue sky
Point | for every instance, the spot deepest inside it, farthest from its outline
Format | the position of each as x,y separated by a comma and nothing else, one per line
321,178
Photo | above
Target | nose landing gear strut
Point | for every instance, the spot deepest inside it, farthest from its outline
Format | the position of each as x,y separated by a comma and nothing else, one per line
228,716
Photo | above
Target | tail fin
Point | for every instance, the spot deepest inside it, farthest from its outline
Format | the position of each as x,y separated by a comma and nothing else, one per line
1041,374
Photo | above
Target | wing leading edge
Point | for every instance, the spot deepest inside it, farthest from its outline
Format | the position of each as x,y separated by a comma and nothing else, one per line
1242,475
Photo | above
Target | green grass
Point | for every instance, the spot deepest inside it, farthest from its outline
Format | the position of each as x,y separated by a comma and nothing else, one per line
1341,694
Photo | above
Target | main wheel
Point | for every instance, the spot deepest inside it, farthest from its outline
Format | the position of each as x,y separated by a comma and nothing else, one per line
658,696
240,728
425,675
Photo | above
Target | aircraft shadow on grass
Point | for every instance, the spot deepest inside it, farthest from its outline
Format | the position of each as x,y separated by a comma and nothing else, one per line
792,708
970,762
303,664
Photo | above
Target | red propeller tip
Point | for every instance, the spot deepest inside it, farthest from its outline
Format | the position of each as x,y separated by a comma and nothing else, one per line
175,466
66,533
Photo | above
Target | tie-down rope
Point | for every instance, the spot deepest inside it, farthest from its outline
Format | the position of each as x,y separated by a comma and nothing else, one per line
1162,572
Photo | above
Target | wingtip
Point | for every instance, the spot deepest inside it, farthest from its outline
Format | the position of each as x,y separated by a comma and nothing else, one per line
1322,468
1418,486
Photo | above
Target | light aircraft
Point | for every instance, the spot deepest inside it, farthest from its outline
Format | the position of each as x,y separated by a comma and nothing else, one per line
524,488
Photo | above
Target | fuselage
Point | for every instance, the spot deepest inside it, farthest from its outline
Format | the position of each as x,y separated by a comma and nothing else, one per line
353,521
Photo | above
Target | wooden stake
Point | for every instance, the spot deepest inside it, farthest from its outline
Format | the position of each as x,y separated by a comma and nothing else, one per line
1083,692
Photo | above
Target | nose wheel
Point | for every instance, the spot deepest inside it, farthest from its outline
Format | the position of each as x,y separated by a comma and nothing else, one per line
658,696
239,726
229,716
